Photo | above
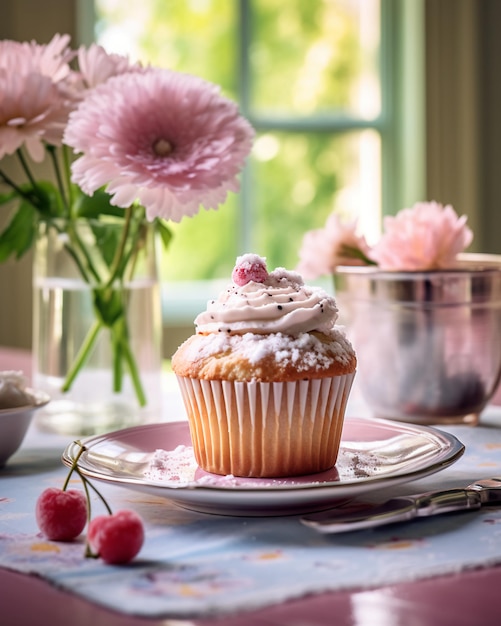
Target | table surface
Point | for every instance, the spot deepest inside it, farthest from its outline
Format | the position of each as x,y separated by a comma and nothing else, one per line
467,598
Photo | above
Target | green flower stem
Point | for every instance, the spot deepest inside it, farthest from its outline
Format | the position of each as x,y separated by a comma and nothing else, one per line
117,266
117,361
133,371
52,152
71,230
86,348
71,252
22,194
26,168
67,175
78,262
122,349
131,254
83,355
78,243
121,353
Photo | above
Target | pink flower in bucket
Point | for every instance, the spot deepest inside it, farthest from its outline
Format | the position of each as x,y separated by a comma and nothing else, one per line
428,236
336,244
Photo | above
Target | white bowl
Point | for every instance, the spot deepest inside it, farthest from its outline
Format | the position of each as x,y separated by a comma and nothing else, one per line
14,423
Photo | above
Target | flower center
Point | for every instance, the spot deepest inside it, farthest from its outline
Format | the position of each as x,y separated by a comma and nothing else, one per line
162,147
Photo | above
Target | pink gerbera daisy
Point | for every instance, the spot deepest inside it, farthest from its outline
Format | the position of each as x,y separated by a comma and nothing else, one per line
166,139
33,108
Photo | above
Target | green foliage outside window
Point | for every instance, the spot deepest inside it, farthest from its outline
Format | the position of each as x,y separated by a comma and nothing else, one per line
305,56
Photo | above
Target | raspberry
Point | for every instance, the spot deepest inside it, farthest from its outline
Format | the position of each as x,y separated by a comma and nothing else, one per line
61,515
116,538
249,267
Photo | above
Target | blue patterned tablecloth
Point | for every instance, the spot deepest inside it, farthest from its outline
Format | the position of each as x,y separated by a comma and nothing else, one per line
196,565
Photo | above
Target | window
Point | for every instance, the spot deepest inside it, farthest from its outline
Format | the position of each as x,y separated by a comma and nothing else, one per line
319,81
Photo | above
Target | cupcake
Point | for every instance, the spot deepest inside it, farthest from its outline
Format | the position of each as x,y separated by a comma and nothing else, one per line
266,377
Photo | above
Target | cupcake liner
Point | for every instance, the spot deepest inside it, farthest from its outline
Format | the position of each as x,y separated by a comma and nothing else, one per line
257,429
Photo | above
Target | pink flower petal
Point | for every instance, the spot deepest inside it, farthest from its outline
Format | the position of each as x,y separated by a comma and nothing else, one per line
324,249
96,66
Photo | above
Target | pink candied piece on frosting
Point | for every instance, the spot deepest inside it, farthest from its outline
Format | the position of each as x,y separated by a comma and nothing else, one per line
249,267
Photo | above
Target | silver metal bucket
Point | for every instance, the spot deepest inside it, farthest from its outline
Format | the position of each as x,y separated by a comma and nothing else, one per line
428,343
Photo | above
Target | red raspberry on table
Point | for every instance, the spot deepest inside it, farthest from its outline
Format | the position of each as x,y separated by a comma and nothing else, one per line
249,267
116,538
61,515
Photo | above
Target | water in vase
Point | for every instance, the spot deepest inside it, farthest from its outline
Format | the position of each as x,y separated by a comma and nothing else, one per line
63,315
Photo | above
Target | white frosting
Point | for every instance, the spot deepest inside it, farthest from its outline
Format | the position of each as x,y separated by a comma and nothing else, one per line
281,304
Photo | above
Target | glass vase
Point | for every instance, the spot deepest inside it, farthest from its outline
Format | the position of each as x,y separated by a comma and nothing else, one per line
96,338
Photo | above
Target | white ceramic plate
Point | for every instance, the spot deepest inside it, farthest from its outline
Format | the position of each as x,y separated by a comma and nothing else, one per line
157,459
